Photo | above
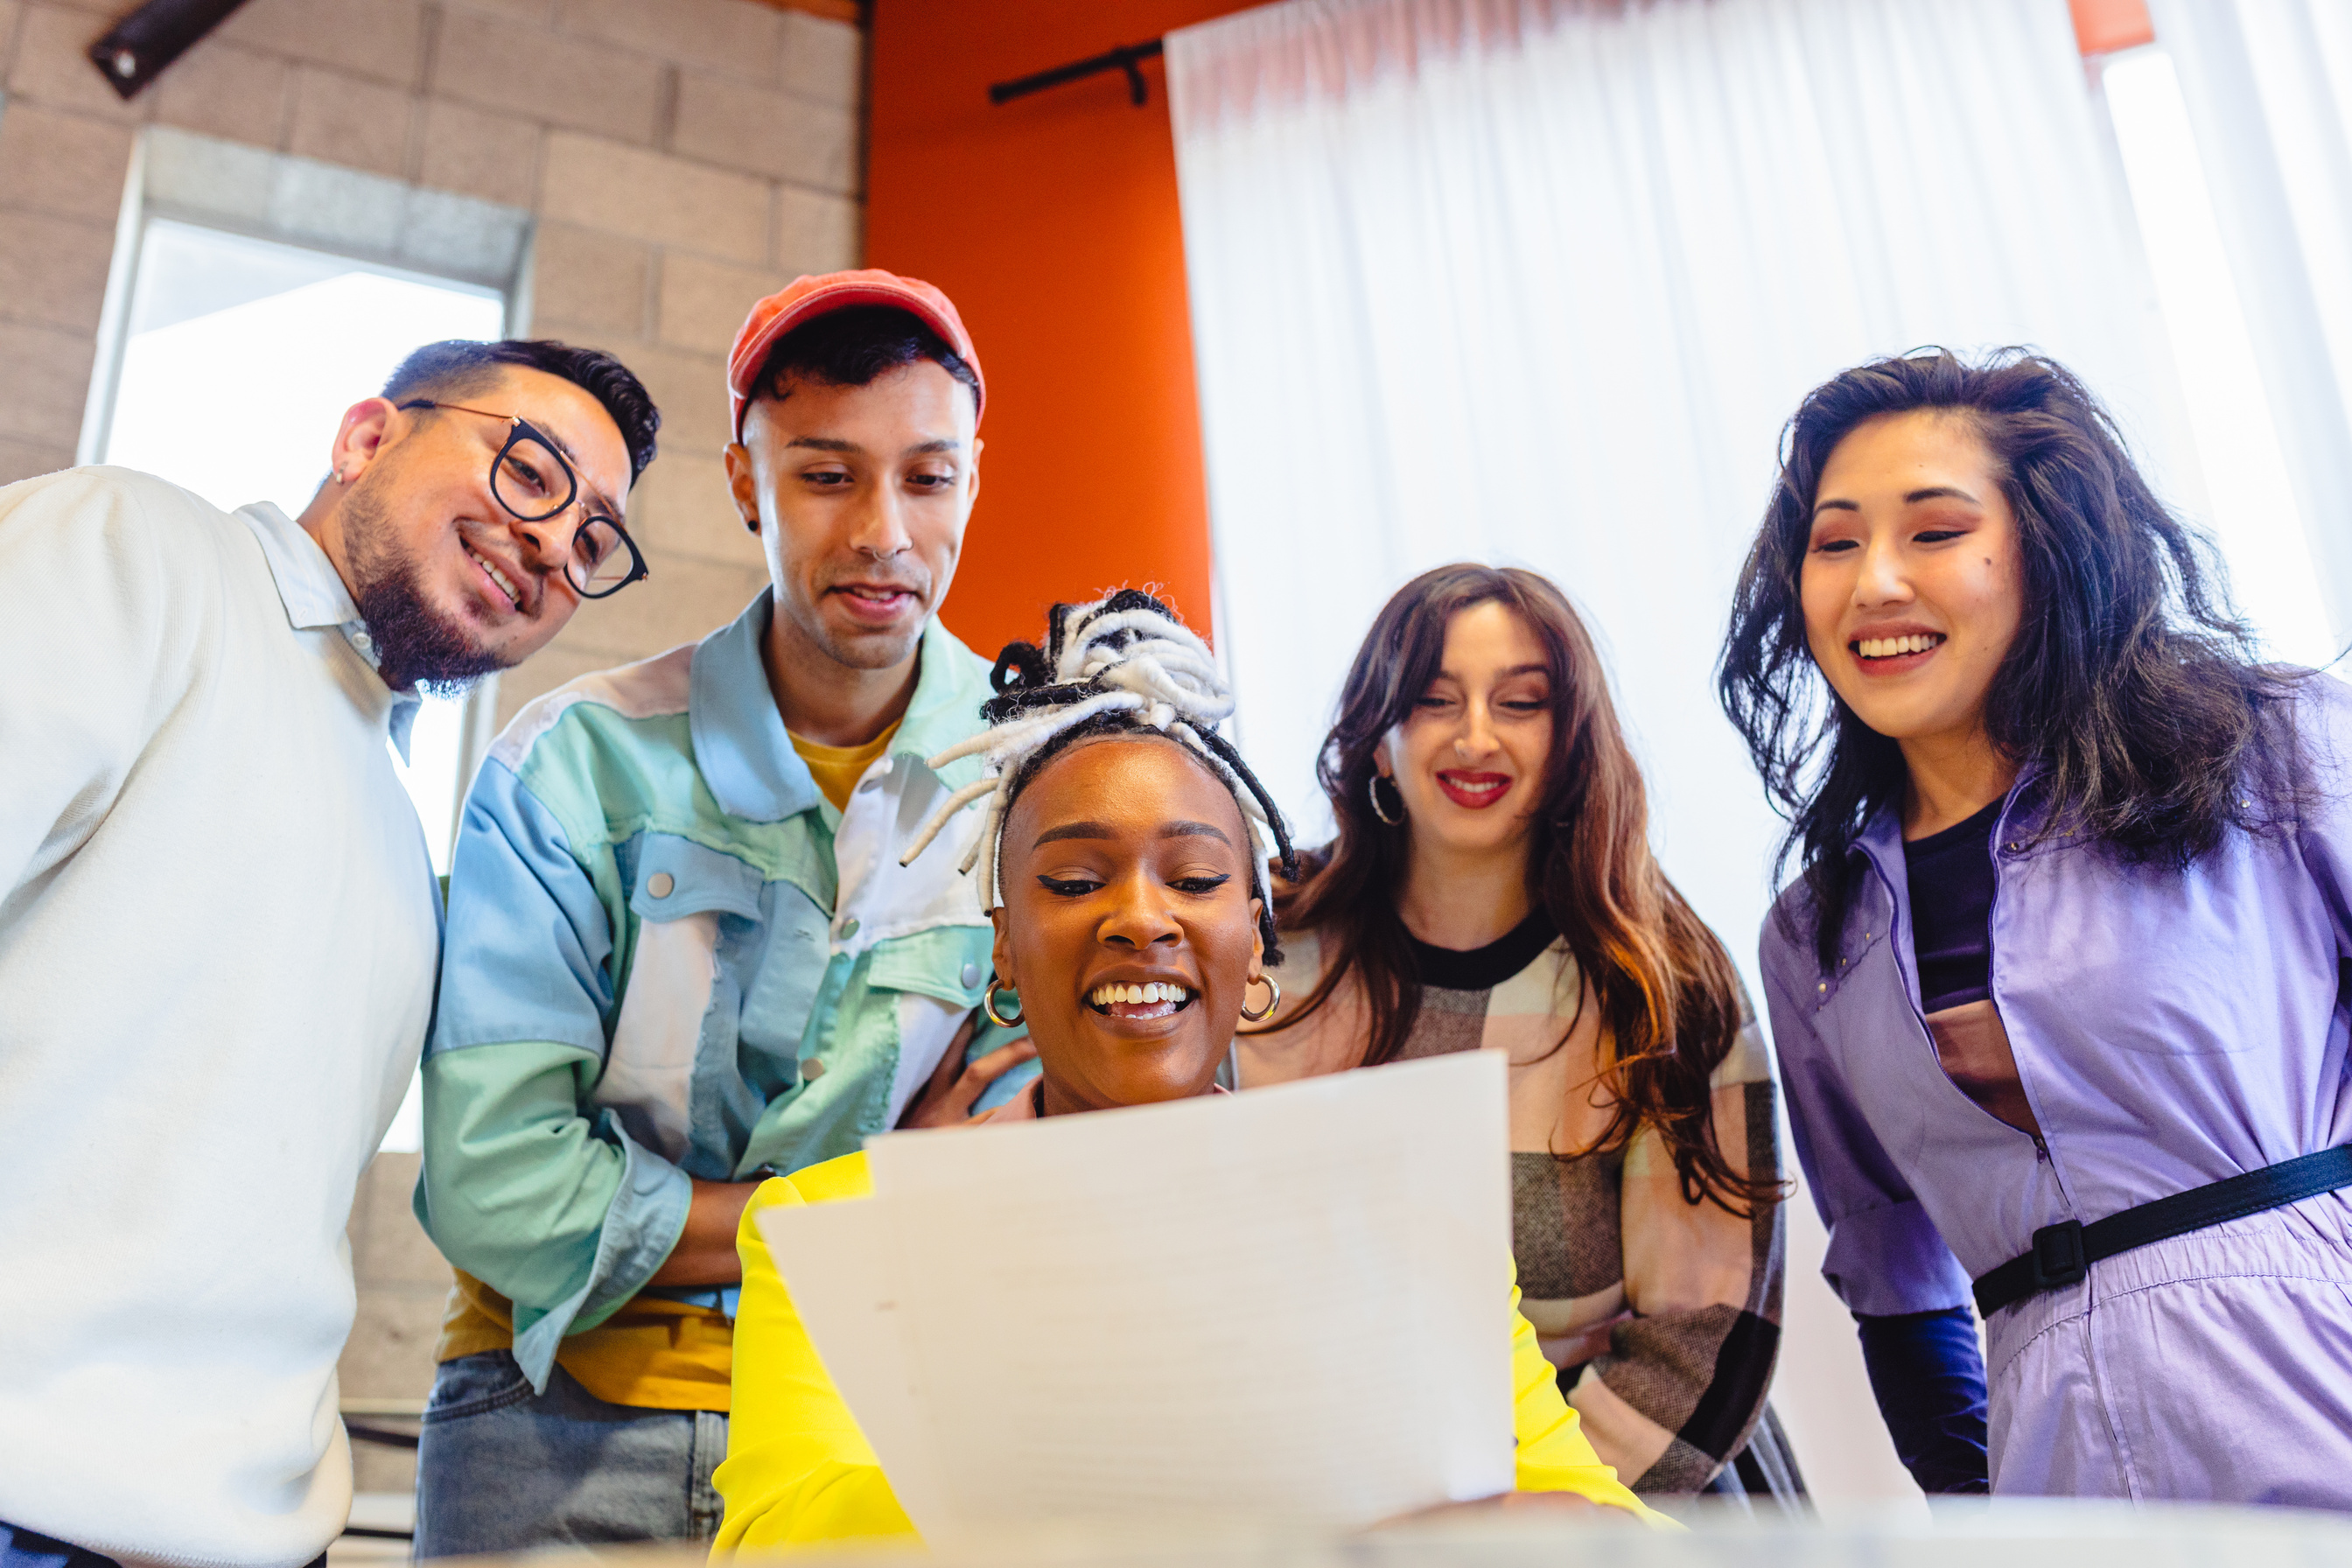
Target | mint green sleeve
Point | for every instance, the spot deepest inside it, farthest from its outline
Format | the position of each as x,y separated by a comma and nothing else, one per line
527,1185
562,1213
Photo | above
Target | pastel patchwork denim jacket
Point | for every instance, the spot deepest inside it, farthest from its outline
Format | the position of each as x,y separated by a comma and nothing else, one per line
670,957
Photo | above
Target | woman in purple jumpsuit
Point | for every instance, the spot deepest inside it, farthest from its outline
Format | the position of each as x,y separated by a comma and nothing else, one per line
2069,939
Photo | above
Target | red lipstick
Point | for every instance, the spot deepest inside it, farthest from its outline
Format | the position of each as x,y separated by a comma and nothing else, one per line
1477,791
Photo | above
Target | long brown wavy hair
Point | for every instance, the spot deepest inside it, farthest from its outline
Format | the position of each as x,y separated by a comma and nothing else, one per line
1668,995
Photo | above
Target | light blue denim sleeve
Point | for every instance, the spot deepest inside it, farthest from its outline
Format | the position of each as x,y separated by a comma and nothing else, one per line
525,1185
529,941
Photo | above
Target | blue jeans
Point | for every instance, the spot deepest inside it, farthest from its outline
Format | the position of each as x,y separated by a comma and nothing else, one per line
22,1548
499,1468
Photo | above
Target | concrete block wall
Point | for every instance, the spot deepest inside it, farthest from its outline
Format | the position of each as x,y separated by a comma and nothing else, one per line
679,157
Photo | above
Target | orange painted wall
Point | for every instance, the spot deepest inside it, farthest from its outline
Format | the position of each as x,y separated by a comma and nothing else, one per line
2104,26
1052,222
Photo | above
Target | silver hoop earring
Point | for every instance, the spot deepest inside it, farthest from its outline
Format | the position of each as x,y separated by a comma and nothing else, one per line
1372,789
1272,1000
988,1005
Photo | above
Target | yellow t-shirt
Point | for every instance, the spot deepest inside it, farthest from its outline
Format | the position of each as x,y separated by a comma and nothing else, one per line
654,1353
799,1472
837,769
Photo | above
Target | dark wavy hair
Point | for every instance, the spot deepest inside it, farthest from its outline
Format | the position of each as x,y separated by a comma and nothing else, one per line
1667,992
2131,690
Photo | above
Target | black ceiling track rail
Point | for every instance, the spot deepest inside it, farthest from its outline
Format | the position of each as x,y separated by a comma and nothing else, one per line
1127,58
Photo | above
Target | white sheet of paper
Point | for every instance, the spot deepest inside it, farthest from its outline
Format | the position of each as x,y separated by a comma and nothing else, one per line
1286,1305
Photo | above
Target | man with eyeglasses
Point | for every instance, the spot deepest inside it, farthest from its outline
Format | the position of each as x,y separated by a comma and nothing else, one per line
682,952
218,925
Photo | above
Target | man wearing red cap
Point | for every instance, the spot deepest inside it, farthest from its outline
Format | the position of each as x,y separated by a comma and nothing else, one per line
682,953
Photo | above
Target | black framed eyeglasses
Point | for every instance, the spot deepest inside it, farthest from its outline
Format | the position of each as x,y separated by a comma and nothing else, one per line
531,479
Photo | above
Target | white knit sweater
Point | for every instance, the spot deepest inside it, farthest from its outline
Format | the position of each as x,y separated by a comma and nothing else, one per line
217,938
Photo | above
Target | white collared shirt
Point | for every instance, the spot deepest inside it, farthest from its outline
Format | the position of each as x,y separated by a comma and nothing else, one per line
217,940
315,596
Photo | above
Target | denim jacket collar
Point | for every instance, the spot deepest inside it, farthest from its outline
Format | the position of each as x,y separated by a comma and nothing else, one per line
744,751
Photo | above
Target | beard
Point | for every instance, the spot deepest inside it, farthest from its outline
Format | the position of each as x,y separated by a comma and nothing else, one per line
416,644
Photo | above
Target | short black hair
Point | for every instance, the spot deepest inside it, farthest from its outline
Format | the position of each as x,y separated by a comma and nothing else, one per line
855,346
461,367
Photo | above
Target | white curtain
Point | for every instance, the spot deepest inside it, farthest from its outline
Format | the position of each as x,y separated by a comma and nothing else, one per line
1539,282
2268,84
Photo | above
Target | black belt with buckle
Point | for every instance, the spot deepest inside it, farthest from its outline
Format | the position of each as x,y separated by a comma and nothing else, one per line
2064,1253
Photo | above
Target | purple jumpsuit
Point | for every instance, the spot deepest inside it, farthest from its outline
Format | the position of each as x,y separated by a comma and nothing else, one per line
2171,1029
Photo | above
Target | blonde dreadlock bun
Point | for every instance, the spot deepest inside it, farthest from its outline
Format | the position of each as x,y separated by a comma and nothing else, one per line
1121,665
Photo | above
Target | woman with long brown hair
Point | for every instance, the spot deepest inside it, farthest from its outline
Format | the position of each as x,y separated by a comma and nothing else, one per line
1491,886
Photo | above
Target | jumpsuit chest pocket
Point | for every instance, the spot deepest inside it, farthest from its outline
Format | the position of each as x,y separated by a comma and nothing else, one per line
1863,1013
1865,938
678,996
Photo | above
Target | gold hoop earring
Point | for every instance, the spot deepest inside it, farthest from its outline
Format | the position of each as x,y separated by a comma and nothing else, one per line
1272,1000
988,1005
1372,789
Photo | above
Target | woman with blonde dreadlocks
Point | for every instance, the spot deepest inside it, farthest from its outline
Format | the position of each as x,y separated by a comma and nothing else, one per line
1125,861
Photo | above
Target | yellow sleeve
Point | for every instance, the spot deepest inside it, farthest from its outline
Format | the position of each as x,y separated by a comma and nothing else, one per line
798,1470
1554,1455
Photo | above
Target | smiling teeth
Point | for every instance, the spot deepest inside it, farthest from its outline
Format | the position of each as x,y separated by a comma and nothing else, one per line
1110,996
504,583
1895,647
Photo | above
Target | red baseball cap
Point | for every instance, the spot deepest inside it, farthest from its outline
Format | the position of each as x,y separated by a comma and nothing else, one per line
806,298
